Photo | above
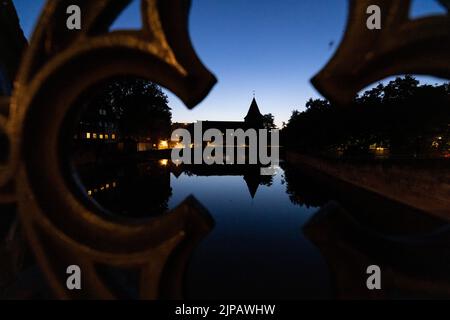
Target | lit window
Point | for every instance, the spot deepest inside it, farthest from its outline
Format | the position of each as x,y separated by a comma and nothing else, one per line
94,136
113,136
106,136
101,137
88,135
90,192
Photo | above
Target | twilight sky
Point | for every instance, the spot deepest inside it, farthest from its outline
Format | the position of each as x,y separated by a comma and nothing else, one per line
272,47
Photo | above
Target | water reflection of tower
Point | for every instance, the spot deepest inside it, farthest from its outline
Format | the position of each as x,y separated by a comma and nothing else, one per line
254,179
252,182
250,173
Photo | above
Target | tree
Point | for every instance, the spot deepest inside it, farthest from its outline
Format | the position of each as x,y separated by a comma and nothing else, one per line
139,106
144,111
403,115
269,121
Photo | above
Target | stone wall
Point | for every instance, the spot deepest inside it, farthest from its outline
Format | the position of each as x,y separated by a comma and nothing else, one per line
421,185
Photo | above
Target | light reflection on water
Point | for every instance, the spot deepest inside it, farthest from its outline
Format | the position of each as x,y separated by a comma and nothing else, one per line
256,248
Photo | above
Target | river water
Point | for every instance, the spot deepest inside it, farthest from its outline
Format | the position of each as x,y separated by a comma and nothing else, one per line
276,236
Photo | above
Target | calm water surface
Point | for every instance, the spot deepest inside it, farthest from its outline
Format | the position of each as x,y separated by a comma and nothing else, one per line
256,248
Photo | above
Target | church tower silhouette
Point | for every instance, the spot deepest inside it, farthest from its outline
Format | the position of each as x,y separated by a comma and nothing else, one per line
254,118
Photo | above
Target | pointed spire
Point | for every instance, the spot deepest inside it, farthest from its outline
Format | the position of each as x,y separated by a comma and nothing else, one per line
253,181
254,116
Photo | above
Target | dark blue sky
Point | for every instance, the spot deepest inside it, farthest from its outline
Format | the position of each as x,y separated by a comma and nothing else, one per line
271,46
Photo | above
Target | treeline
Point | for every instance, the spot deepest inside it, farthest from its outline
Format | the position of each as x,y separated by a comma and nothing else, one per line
139,106
403,117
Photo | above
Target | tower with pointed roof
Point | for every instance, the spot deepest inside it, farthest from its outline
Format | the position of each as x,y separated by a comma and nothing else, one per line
254,118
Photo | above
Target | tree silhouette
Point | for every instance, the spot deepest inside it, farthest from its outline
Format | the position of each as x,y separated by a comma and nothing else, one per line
404,116
269,121
139,106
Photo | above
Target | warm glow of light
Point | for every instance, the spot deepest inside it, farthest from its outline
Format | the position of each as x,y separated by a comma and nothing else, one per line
114,184
101,137
179,145
88,135
164,162
94,136
90,193
106,136
163,144
113,136
107,186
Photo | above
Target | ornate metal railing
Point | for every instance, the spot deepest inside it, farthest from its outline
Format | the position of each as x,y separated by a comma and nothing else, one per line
60,64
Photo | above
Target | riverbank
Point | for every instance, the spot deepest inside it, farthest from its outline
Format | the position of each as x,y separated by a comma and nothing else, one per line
424,187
